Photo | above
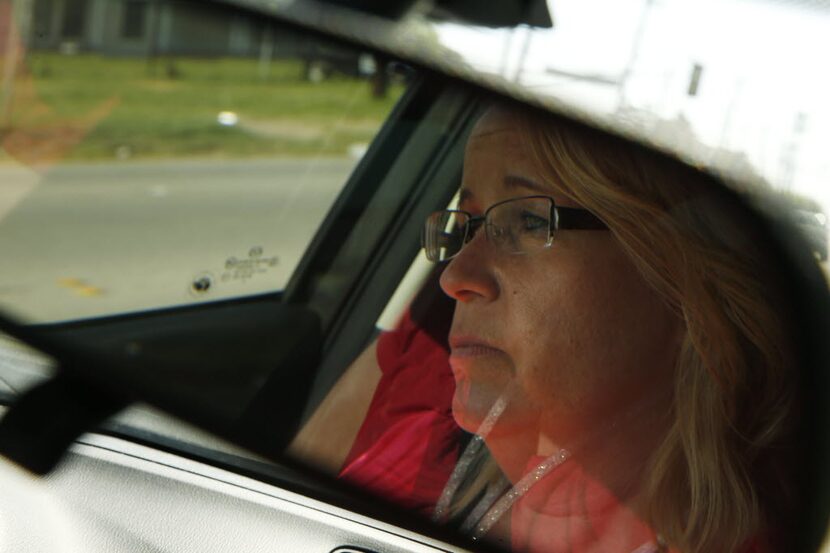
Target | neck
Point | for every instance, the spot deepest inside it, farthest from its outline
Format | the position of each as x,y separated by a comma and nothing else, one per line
512,450
615,453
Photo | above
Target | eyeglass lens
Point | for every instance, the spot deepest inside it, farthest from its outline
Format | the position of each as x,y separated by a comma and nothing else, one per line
444,234
515,226
521,225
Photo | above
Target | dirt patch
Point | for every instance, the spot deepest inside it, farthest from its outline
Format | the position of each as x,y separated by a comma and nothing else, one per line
292,129
157,85
285,129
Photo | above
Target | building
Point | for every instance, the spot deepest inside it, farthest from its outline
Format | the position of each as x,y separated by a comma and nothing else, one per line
154,28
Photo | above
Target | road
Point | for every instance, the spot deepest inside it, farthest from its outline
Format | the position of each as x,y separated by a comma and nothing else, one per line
91,239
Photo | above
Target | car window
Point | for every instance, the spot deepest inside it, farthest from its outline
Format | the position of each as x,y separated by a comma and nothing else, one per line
185,159
497,402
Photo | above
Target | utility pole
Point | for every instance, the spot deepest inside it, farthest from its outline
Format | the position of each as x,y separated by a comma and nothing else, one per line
18,17
635,53
505,53
789,151
523,57
152,36
266,52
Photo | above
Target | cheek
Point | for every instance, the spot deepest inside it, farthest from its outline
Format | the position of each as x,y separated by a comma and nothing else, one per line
549,331
637,334
592,337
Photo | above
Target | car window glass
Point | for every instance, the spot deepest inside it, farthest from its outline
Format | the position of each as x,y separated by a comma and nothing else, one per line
172,155
539,380
408,288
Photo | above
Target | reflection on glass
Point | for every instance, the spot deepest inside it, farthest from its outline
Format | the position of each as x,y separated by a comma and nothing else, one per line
696,78
631,390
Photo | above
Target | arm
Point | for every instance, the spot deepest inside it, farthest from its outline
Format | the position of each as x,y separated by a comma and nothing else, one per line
327,437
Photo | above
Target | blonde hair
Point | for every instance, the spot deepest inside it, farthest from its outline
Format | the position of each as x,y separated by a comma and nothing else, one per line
719,474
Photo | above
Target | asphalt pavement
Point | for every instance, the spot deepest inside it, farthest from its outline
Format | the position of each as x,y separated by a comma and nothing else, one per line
85,240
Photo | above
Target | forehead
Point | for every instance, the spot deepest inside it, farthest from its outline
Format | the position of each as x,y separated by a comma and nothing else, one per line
496,124
496,159
497,145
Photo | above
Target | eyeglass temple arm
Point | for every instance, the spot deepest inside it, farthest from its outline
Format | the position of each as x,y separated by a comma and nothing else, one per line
578,219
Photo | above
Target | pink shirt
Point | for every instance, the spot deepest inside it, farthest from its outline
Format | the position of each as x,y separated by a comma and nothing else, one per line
570,511
409,444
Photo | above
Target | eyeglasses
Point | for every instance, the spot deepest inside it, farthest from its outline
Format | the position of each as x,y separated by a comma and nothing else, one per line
516,226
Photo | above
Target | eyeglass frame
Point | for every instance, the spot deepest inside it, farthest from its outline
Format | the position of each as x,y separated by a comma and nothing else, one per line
561,218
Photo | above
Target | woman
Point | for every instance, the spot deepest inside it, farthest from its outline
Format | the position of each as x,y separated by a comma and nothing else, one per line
615,348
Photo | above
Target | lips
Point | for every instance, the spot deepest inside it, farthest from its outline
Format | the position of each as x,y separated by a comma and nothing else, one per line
470,346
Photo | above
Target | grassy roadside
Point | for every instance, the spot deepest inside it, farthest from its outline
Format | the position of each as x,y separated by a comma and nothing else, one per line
89,107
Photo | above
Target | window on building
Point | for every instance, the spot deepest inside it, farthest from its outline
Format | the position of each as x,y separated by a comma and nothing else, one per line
74,13
135,15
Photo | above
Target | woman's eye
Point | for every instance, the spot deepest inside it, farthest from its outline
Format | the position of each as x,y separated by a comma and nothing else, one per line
531,222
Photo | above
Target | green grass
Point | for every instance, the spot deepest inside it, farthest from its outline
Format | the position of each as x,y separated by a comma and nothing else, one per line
169,108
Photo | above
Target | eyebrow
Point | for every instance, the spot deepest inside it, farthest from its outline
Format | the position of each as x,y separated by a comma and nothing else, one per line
511,182
514,181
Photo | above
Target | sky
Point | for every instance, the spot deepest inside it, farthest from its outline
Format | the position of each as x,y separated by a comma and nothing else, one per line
764,87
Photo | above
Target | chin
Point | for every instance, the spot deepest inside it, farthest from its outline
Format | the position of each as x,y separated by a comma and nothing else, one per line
463,418
470,416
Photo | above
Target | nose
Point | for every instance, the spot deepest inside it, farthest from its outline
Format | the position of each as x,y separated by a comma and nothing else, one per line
469,275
